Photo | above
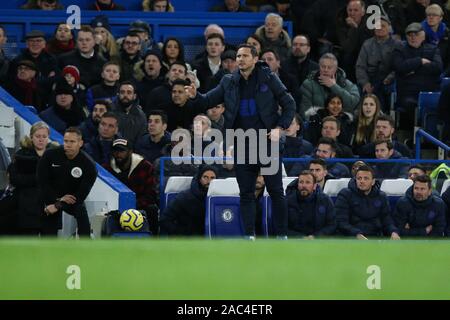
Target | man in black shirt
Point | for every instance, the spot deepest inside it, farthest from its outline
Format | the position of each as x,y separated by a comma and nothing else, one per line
65,178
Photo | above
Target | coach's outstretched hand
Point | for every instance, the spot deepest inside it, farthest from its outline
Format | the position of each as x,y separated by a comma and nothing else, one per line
191,90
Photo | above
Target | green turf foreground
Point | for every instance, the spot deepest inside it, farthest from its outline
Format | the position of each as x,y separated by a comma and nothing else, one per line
224,269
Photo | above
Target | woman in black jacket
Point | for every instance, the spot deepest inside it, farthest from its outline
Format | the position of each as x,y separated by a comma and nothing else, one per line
22,172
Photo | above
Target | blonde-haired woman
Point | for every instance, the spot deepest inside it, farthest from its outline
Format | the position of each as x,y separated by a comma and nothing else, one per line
106,43
368,112
30,211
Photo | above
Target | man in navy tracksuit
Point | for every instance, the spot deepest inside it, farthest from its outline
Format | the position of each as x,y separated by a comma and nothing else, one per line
251,96
362,209
311,212
185,215
420,213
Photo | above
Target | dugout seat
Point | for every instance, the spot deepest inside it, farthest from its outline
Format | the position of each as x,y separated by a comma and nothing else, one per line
395,189
427,112
174,186
223,218
334,186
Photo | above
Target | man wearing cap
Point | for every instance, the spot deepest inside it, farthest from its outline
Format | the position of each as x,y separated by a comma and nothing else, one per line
418,66
106,5
138,175
143,30
374,70
65,111
46,63
24,86
65,176
229,65
85,58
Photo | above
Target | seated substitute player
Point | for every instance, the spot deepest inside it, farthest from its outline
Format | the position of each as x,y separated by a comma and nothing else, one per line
362,209
310,211
420,213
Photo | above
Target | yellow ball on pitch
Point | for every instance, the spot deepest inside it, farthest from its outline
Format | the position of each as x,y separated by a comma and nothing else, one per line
131,220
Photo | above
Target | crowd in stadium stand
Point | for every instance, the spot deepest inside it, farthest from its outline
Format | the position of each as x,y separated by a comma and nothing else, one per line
126,94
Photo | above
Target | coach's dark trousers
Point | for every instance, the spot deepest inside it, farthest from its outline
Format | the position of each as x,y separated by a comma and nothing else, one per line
246,175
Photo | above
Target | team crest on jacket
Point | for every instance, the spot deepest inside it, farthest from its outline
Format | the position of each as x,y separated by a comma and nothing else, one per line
227,215
377,203
76,172
263,87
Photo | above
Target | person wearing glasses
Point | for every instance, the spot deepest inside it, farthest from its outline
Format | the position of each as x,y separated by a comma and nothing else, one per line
130,55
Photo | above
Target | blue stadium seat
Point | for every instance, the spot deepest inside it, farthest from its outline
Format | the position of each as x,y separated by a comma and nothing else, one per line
174,186
223,218
267,221
427,115
333,186
395,189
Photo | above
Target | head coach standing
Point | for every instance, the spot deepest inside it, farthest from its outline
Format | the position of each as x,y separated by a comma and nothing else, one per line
252,96
65,178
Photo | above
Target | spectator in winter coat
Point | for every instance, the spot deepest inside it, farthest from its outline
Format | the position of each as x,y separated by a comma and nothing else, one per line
295,146
99,146
25,87
333,108
273,35
362,210
151,144
88,61
418,66
30,211
384,130
374,70
65,112
89,127
384,150
185,215
329,79
132,120
137,174
310,211
109,87
62,42
298,62
420,213
351,30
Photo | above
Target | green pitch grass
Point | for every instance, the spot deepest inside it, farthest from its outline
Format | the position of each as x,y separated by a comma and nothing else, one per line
224,269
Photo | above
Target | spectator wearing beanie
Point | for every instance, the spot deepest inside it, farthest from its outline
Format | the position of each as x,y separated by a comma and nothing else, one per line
65,111
62,41
104,39
149,73
24,86
71,75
